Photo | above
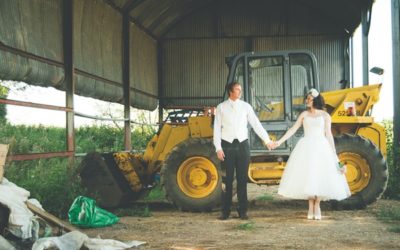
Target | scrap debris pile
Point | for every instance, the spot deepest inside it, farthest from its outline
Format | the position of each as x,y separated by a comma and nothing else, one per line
24,224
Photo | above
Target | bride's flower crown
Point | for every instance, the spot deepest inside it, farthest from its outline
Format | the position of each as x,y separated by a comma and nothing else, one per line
313,92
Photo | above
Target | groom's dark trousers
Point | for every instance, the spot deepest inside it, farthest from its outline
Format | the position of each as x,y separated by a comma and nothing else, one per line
237,158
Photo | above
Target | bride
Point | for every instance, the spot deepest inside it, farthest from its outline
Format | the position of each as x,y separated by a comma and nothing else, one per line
312,172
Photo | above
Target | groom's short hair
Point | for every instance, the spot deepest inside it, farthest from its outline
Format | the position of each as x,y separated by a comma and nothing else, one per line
229,87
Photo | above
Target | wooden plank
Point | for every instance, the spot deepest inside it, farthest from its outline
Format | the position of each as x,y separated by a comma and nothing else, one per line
3,156
50,218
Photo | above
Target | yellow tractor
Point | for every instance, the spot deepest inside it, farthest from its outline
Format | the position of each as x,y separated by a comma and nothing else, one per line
274,83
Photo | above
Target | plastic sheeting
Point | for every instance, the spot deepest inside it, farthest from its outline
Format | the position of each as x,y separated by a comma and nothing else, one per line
22,222
75,240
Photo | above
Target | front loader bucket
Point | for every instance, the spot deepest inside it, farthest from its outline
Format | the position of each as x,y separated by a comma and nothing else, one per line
105,181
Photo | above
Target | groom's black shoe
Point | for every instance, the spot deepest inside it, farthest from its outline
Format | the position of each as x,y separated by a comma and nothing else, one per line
223,216
243,217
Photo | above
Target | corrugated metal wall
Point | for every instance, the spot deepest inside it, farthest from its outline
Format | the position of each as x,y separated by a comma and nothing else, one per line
194,71
143,68
257,26
97,48
34,27
327,50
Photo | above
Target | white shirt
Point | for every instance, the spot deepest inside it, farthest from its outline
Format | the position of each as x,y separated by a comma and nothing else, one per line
231,119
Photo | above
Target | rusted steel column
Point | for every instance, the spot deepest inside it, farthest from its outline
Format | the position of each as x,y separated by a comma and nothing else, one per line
126,80
69,73
366,13
33,105
161,100
35,156
396,71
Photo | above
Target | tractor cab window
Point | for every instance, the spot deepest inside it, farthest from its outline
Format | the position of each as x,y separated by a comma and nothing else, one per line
302,79
266,87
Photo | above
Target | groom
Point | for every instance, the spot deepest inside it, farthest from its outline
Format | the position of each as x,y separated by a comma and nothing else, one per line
232,147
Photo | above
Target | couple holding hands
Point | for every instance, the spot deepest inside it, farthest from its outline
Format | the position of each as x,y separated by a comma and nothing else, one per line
311,171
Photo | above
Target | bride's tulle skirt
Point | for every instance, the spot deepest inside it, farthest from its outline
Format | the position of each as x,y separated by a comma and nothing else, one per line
312,171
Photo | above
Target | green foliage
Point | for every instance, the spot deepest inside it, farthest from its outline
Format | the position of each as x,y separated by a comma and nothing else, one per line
391,215
137,210
3,110
246,226
48,180
265,197
155,194
393,187
52,181
39,139
32,139
109,139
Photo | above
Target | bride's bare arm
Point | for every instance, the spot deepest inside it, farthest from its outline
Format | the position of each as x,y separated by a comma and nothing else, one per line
328,132
292,130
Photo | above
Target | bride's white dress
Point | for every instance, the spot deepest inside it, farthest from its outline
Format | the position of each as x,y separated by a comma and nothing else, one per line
312,167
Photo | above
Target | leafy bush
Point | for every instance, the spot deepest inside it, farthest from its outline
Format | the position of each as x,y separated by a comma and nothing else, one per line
39,139
393,187
390,215
52,181
3,111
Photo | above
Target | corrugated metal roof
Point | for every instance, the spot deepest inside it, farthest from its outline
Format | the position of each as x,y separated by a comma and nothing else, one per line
157,17
32,31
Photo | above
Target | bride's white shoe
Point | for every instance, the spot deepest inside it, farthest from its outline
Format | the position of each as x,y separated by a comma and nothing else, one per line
310,215
317,215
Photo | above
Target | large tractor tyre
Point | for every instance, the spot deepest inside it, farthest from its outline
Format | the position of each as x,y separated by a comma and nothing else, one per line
191,176
367,172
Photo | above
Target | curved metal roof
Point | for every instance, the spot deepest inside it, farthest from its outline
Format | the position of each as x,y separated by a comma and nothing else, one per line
32,38
157,17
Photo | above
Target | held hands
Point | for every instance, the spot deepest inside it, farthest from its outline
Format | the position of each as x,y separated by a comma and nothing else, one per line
272,145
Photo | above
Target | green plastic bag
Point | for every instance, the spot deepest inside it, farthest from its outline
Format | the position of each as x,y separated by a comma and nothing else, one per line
84,213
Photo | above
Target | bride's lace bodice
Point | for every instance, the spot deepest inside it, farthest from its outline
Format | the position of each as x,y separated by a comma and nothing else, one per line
314,126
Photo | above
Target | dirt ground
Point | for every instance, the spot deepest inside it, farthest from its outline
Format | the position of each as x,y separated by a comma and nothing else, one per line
273,224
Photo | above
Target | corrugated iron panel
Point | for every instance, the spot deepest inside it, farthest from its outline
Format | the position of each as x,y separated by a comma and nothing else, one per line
194,71
255,18
143,68
250,15
199,24
98,39
33,27
328,51
18,68
159,16
119,3
103,91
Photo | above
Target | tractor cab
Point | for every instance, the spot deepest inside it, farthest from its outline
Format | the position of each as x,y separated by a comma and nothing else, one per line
275,84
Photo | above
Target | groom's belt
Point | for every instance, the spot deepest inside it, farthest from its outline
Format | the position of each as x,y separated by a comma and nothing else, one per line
235,141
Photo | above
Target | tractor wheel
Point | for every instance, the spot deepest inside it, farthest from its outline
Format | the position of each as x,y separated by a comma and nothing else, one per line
191,176
367,172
